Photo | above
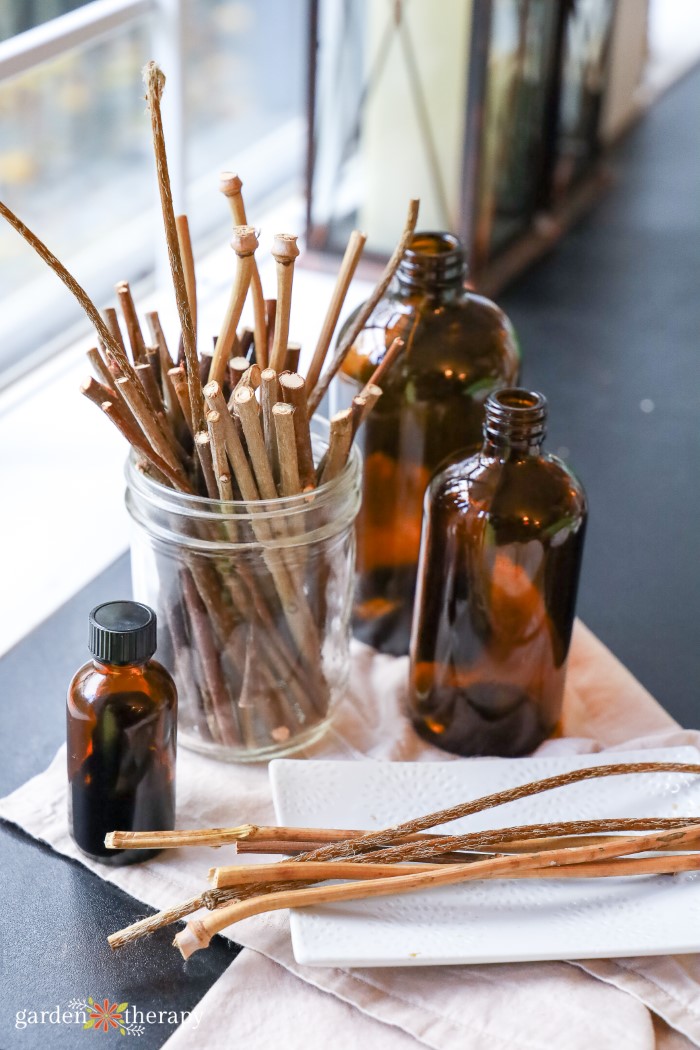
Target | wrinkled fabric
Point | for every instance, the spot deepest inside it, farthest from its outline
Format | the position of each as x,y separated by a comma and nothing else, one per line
266,997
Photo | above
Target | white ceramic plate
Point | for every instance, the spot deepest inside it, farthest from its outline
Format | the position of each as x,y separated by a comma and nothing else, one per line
500,921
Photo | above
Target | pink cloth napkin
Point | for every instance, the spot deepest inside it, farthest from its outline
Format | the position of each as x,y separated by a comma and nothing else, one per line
265,998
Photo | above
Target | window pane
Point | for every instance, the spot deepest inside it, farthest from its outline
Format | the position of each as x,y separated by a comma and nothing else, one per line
245,83
20,15
76,165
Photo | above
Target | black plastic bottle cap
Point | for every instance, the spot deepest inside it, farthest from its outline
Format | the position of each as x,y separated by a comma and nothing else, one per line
122,633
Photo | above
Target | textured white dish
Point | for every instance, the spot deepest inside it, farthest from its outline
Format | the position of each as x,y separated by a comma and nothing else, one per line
499,921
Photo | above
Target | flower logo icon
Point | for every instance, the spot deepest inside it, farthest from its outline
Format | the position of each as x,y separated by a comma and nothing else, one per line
106,1016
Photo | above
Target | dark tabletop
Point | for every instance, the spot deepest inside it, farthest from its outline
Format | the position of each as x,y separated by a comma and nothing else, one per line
609,325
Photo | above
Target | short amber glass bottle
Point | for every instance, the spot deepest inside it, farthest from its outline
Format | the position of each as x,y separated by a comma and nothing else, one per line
121,729
459,347
499,567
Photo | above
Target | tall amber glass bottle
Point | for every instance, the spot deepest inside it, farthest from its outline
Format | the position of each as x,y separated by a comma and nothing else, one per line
500,558
459,347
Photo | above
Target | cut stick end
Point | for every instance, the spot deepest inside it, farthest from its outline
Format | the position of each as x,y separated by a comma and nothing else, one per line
191,939
230,184
154,79
109,840
244,240
284,247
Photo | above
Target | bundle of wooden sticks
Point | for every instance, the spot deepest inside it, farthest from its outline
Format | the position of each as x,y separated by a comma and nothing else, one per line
406,858
233,425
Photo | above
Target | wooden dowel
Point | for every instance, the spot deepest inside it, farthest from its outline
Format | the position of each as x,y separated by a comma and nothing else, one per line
148,382
270,314
284,252
199,932
244,242
294,393
319,871
237,366
202,443
234,447
291,361
352,256
270,395
247,409
155,82
218,451
230,185
363,315
290,482
133,328
132,392
178,381
185,242
339,445
363,404
112,321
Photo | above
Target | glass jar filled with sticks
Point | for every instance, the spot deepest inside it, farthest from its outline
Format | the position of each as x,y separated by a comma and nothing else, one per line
243,501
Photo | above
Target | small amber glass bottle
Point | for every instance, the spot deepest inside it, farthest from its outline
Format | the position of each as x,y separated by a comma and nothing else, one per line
121,729
459,347
500,557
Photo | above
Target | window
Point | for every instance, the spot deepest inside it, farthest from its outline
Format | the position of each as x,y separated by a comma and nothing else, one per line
75,151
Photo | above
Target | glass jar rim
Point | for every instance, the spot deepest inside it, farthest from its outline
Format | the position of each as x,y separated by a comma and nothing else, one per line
164,498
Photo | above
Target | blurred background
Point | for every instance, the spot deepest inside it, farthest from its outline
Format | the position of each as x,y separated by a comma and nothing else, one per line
557,138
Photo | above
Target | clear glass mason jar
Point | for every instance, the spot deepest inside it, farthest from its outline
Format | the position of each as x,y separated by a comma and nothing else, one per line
254,603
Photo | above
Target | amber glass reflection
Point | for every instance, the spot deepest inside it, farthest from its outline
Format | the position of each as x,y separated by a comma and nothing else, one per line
459,347
121,724
499,569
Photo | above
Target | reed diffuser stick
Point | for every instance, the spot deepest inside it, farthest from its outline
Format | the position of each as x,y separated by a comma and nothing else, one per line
271,394
185,242
284,251
363,315
231,186
131,320
198,932
384,365
352,256
154,80
293,389
244,242
290,483
340,440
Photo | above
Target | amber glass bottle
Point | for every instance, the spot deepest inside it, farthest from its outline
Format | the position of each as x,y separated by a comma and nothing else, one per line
459,347
121,728
500,558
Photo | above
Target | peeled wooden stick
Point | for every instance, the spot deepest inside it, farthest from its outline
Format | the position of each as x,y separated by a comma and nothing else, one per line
178,381
384,365
363,315
103,373
271,314
339,446
247,409
230,185
131,320
238,366
219,457
223,836
244,242
294,393
290,483
234,447
132,392
245,874
198,932
202,443
185,242
270,396
284,251
352,256
154,80
112,321
362,405
149,384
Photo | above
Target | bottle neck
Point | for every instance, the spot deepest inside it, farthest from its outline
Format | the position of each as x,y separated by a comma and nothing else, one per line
433,265
107,669
516,422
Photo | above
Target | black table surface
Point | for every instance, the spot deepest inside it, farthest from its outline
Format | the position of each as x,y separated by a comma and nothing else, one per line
609,325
